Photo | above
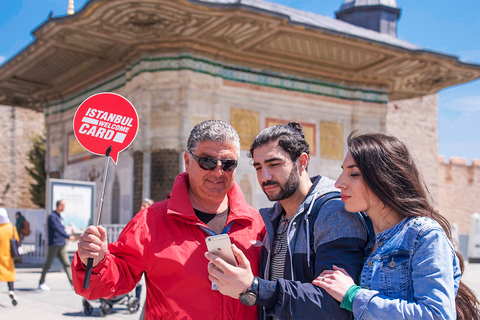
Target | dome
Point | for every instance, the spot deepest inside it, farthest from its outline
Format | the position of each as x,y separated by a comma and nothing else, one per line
377,15
360,3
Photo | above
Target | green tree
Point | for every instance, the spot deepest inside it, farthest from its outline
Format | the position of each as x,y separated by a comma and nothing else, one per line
36,157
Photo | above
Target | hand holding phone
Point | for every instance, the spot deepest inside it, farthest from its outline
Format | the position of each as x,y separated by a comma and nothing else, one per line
221,246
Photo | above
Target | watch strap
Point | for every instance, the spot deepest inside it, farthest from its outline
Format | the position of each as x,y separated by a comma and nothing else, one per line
253,287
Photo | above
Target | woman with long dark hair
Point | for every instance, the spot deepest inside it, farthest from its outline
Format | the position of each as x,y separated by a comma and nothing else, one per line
411,270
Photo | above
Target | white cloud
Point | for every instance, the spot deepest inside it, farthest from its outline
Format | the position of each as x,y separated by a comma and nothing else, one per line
470,56
471,103
2,58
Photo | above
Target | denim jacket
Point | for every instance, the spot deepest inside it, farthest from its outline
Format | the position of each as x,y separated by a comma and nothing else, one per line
413,274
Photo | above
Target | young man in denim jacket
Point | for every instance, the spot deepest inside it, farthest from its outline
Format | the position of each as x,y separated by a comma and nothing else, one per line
289,260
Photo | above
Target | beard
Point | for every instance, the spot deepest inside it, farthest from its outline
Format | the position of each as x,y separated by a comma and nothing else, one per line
286,190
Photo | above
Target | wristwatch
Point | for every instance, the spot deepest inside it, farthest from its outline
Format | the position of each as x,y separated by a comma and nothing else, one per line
249,297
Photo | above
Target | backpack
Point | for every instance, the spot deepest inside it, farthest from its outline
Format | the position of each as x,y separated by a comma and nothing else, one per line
317,206
26,228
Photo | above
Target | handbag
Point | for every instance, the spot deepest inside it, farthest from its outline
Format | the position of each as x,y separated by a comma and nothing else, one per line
15,247
26,228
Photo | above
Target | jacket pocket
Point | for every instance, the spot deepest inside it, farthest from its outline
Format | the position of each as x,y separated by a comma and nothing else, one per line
394,274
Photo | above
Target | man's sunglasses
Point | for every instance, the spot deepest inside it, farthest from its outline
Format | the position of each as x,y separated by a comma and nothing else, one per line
207,163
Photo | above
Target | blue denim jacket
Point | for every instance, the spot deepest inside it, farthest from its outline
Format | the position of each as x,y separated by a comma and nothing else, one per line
413,274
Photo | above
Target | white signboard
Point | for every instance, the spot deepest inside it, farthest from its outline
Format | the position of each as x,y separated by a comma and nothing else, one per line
79,202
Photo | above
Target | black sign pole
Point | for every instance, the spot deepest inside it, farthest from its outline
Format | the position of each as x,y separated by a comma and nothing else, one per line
88,272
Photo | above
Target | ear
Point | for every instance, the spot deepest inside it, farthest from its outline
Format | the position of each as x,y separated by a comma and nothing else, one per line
187,160
302,161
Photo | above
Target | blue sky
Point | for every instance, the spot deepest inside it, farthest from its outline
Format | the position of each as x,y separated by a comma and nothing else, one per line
450,27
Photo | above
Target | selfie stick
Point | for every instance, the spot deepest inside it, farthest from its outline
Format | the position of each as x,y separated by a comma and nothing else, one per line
88,273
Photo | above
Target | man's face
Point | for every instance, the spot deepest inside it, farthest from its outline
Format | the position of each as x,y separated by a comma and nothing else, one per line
210,186
277,174
61,206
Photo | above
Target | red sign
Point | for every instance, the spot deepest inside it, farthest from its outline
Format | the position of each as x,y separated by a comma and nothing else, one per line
103,120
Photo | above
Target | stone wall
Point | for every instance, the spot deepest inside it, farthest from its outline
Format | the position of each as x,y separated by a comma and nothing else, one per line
18,125
415,122
459,190
164,169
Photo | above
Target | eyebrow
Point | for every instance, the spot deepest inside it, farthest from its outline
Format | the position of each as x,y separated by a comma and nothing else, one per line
268,161
350,166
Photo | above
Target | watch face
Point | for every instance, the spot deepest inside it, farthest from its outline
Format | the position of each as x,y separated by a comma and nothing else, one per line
248,298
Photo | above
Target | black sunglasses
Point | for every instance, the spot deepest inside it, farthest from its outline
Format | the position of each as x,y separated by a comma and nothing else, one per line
277,243
207,163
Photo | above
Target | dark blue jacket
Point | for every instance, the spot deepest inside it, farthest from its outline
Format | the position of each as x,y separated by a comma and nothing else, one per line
339,239
56,230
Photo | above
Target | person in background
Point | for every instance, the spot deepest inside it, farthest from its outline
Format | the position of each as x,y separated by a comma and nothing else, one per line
166,241
411,270
308,231
19,220
146,203
7,265
56,245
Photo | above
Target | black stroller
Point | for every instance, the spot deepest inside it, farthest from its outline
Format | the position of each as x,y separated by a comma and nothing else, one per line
106,305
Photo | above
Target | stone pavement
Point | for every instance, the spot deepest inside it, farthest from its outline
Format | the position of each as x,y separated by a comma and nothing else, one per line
59,303
62,302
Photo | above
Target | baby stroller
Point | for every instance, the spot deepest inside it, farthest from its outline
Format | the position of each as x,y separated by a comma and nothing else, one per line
106,305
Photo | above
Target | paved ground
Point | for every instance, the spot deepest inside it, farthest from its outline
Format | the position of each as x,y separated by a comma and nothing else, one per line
59,303
62,302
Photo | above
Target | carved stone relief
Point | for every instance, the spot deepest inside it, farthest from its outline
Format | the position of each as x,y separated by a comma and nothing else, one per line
237,31
132,21
331,52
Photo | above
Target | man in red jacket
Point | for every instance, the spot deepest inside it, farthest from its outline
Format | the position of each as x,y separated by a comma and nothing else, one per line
166,241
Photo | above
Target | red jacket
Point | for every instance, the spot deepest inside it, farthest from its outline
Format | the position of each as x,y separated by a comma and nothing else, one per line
165,242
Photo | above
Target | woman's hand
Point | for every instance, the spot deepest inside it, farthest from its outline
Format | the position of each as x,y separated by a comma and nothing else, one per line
336,282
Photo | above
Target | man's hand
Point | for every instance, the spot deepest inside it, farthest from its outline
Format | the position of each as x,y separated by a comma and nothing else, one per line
93,244
231,281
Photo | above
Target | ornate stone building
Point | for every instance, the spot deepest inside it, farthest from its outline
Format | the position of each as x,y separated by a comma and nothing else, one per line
250,63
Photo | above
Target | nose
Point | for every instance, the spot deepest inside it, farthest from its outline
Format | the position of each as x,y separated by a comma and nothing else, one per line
218,169
339,183
263,175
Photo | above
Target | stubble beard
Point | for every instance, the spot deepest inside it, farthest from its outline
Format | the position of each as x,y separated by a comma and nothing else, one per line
289,188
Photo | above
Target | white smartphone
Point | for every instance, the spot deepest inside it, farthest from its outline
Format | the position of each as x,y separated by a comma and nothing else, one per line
221,246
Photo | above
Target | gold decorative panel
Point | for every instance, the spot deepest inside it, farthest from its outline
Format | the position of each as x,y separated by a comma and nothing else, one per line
76,152
308,129
247,124
331,140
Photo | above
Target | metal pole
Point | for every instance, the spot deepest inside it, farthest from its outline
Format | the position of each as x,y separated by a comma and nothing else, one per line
88,272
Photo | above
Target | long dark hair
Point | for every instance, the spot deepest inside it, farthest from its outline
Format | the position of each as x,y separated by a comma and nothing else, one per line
389,171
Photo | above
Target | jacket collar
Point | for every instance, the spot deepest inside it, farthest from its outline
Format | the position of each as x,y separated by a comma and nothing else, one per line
180,207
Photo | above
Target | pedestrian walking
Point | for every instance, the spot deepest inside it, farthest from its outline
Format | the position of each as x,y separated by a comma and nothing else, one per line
56,245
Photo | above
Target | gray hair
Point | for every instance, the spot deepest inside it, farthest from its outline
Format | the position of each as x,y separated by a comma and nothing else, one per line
213,130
